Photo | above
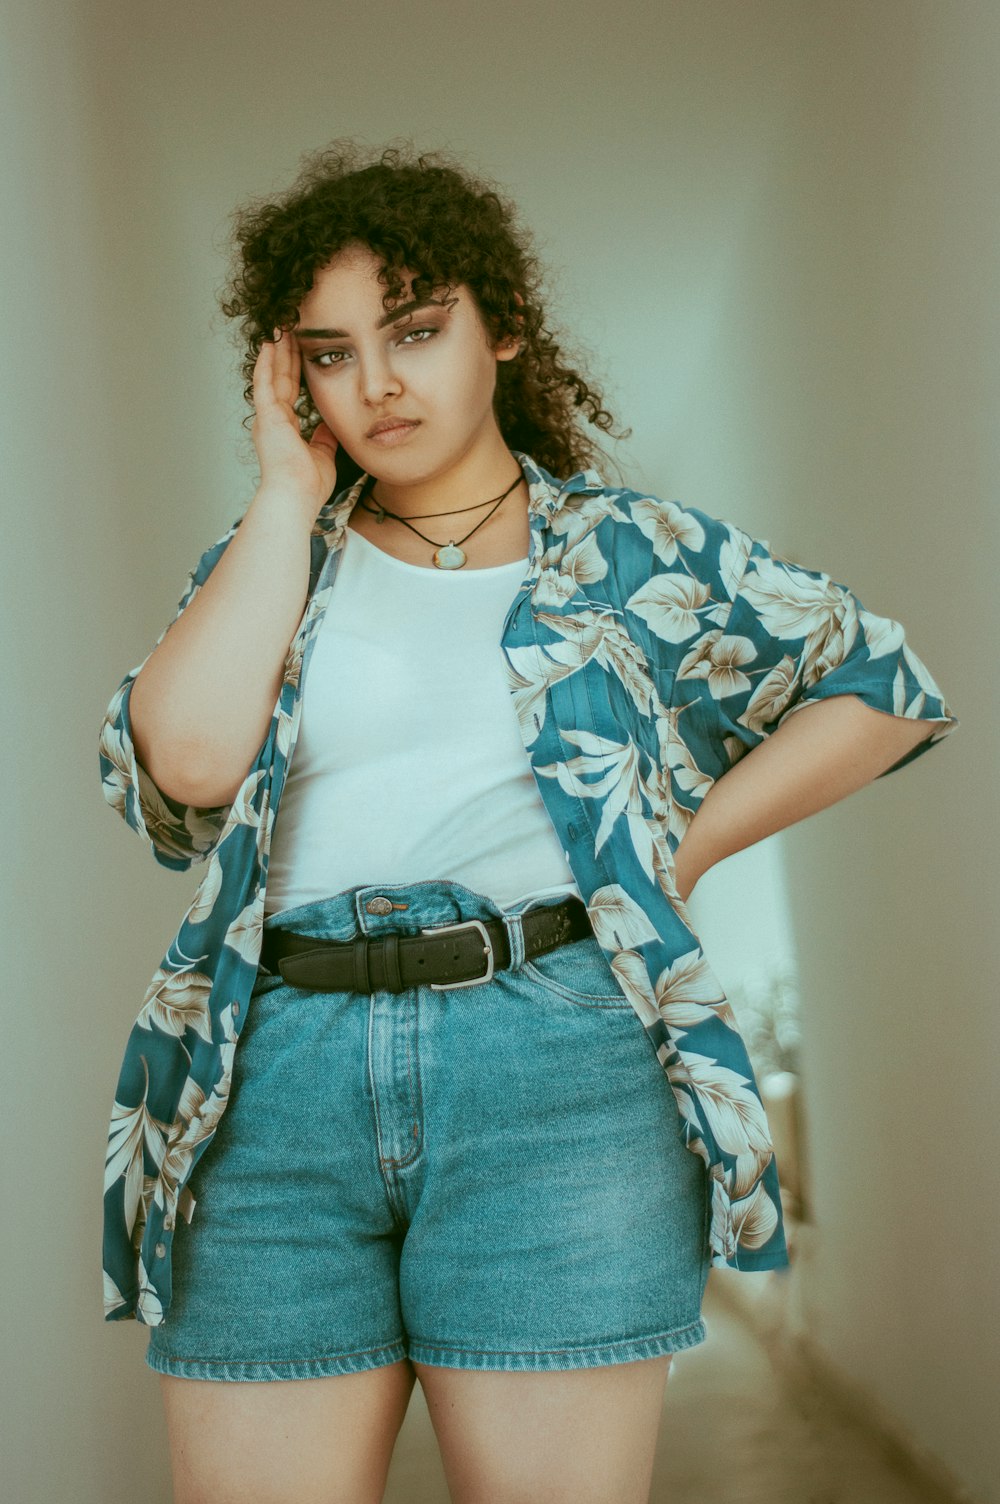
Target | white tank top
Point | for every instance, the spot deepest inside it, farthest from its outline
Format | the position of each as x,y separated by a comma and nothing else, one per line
409,764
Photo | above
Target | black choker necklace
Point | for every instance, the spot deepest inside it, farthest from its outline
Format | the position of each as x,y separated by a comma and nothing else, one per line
448,555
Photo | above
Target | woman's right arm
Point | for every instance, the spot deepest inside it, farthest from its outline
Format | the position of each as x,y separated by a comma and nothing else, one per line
202,704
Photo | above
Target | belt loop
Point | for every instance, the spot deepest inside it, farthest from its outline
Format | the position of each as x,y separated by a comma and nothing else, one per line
514,926
390,959
362,980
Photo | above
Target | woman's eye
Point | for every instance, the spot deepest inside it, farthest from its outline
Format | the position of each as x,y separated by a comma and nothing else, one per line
327,359
428,330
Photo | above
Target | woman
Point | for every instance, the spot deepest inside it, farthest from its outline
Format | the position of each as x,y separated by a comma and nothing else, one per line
492,1120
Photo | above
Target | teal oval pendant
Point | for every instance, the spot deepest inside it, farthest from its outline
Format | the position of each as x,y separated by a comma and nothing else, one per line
449,557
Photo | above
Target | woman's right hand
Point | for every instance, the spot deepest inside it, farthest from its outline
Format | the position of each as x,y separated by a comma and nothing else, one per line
287,462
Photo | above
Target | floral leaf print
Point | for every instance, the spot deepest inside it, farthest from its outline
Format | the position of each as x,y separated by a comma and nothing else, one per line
113,1297
600,636
164,828
293,661
242,811
915,708
688,776
669,605
791,603
580,636
735,1115
920,672
150,1307
666,525
718,659
618,921
734,553
755,1218
132,1130
771,697
619,784
582,512
283,732
633,979
176,1001
584,563
795,603
687,991
563,571
883,635
142,1211
245,934
187,1133
529,672
828,648
664,871
192,1099
118,780
207,893
899,692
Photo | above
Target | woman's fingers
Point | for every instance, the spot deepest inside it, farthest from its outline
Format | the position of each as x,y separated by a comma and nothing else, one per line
285,367
276,376
281,363
263,378
283,455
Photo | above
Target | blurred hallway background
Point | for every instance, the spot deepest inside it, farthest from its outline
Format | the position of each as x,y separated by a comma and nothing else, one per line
772,233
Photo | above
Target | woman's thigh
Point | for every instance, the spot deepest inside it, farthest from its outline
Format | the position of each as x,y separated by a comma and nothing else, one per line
582,1436
308,1441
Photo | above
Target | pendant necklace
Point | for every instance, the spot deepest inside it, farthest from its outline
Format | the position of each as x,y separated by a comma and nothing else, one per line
448,555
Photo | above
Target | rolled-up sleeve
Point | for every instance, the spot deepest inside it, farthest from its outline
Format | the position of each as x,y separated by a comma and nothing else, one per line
178,835
794,635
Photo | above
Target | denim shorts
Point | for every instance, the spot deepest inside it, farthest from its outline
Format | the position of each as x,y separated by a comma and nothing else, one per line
485,1177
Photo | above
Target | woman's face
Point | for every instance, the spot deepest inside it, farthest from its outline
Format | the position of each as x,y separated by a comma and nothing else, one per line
430,364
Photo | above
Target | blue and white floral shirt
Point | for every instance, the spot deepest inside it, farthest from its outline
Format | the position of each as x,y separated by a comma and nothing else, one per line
648,648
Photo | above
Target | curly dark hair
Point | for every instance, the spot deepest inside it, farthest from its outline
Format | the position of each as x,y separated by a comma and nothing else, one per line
428,216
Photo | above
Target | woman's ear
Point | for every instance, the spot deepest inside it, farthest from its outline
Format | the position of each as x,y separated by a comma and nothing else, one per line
512,346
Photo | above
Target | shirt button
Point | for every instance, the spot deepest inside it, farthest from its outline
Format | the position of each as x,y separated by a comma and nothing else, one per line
168,1222
379,905
236,1007
160,1250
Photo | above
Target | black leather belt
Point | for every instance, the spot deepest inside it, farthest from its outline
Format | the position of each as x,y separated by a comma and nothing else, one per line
443,956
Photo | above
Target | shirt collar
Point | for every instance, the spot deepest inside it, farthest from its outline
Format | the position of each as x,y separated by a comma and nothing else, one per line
546,493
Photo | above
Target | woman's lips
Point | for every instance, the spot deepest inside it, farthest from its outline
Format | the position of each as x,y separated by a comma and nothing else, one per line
394,435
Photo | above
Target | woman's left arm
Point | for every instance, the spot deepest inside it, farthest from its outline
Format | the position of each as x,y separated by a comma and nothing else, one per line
822,753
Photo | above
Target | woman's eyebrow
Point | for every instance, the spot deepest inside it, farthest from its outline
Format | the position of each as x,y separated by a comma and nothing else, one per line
389,318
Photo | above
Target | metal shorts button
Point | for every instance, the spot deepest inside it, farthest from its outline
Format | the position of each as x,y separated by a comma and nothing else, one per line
379,905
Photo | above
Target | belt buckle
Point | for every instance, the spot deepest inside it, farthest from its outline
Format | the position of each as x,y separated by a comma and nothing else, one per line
443,929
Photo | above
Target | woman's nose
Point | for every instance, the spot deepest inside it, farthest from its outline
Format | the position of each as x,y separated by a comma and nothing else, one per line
379,380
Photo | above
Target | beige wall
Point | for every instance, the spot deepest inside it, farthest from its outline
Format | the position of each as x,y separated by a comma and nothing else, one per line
775,225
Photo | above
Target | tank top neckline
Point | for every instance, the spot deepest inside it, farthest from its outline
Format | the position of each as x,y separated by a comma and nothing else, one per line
391,559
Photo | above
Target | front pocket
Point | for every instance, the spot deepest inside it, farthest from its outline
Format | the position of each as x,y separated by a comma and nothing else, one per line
580,972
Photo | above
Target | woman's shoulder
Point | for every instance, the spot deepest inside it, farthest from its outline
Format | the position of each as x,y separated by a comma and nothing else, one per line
667,534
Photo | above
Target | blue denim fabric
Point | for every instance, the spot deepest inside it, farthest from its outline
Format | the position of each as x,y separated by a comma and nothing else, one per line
460,1177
